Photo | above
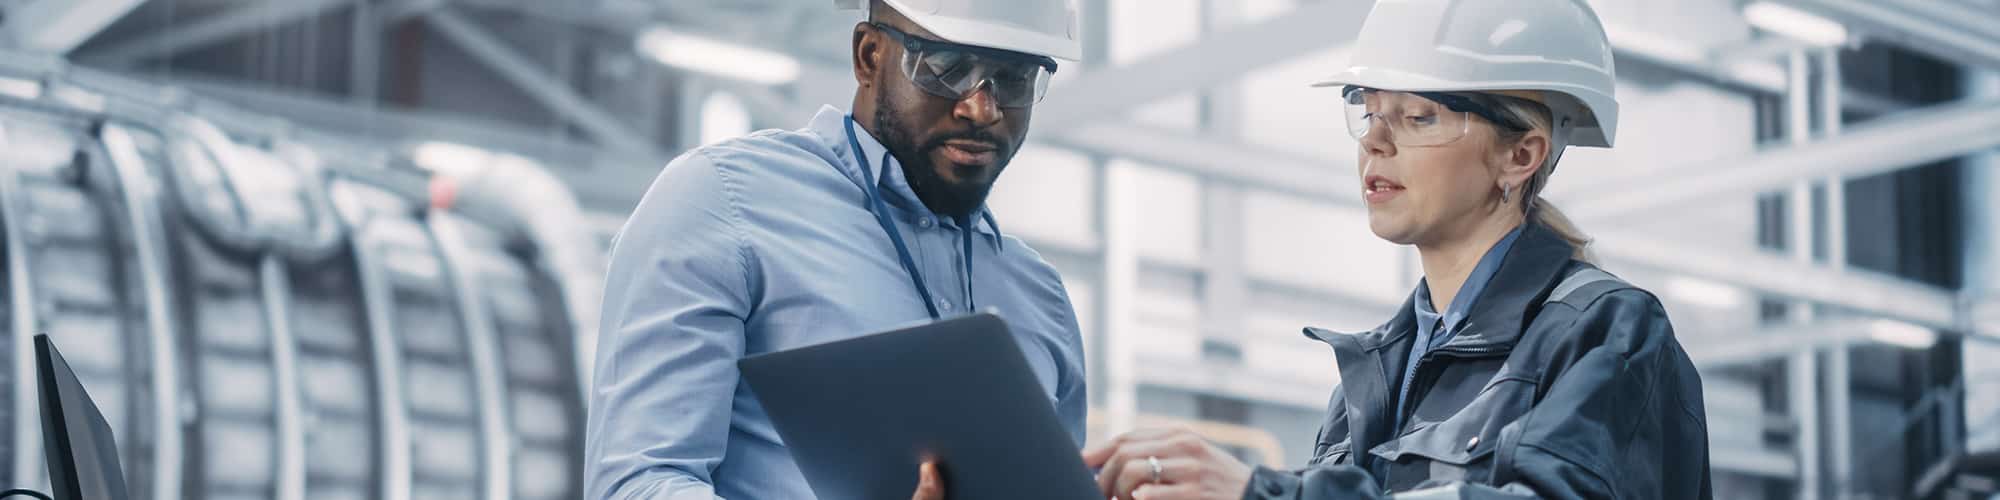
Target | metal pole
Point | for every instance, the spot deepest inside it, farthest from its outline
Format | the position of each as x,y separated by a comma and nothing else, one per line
392,417
1121,279
1224,289
148,240
1982,280
364,75
1839,400
1802,370
496,447
290,483
28,468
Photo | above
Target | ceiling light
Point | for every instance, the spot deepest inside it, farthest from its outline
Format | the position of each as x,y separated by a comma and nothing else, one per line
21,88
716,57
1898,333
1705,293
1792,22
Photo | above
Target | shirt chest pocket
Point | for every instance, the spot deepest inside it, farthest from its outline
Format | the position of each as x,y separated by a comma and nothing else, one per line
1459,448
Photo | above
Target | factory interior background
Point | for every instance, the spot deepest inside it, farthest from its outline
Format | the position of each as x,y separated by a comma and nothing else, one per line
223,212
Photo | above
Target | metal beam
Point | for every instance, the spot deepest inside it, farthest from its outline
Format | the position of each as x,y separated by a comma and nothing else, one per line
1259,167
1775,342
1937,28
524,73
1734,75
1221,58
1774,274
207,31
1883,145
59,26
535,81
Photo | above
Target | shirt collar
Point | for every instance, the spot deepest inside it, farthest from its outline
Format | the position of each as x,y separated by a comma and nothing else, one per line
831,124
1468,294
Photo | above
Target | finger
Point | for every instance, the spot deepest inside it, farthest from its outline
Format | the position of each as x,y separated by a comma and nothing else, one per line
1135,473
1185,491
929,485
1129,466
1107,473
1095,456
1172,470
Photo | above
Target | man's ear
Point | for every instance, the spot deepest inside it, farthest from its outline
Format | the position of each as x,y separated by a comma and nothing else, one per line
868,50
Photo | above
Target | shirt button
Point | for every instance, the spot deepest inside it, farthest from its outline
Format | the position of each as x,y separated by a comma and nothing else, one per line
1472,443
925,223
944,304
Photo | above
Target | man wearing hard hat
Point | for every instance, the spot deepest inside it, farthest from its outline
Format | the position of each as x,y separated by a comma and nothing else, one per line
861,221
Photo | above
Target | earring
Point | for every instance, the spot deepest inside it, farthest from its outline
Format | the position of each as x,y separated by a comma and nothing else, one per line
1506,193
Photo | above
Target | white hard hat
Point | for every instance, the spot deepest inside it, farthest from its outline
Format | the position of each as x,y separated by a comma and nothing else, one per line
1040,27
1554,46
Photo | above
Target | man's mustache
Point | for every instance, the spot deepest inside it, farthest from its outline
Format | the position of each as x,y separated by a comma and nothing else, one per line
975,135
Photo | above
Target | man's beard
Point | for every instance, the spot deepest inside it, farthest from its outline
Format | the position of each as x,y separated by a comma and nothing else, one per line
949,199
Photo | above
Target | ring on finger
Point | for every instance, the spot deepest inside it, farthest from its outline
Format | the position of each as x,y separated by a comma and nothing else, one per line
1157,470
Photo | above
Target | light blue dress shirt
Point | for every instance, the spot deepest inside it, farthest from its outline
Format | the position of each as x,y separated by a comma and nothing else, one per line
765,243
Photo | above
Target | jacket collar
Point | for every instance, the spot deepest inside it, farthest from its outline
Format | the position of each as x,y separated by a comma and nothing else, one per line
1502,310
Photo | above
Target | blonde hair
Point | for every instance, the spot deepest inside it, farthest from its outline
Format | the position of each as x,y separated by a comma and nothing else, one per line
1538,210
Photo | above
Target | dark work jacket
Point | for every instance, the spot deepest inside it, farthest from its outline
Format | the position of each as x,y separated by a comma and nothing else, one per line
1564,382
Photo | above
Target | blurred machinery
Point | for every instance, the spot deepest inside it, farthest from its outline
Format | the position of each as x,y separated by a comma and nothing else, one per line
263,312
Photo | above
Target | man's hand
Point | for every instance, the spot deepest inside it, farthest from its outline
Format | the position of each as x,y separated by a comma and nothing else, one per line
1188,467
929,485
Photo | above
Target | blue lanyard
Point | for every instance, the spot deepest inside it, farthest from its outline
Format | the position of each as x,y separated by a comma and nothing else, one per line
881,212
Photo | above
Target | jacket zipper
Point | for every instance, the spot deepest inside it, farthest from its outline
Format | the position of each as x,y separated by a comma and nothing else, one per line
1409,408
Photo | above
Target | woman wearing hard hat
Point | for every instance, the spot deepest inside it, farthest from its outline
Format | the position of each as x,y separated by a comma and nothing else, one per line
1517,369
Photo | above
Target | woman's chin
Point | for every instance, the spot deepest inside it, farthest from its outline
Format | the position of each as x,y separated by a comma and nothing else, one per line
1392,231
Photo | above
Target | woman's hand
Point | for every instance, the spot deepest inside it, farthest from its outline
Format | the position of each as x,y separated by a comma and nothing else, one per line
1189,468
929,485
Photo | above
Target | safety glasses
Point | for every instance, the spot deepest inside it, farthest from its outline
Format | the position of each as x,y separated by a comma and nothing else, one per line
953,71
1420,119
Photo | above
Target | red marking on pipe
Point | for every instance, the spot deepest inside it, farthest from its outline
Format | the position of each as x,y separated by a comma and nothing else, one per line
444,192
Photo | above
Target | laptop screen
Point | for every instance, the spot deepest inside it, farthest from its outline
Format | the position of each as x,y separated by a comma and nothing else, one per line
82,455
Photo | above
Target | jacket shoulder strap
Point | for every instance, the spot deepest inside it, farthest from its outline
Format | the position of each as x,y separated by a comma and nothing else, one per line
1585,276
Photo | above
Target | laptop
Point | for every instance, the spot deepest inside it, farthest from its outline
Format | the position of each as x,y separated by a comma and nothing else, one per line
82,456
859,415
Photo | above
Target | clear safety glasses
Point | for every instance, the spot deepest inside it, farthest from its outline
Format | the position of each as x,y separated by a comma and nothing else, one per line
952,71
1419,119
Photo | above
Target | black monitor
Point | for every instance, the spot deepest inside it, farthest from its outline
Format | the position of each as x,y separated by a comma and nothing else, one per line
83,457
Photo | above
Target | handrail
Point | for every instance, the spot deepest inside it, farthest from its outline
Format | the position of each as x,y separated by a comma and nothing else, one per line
391,409
482,349
27,436
148,238
276,286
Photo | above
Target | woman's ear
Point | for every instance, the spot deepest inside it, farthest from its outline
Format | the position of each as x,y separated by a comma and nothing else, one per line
1524,158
